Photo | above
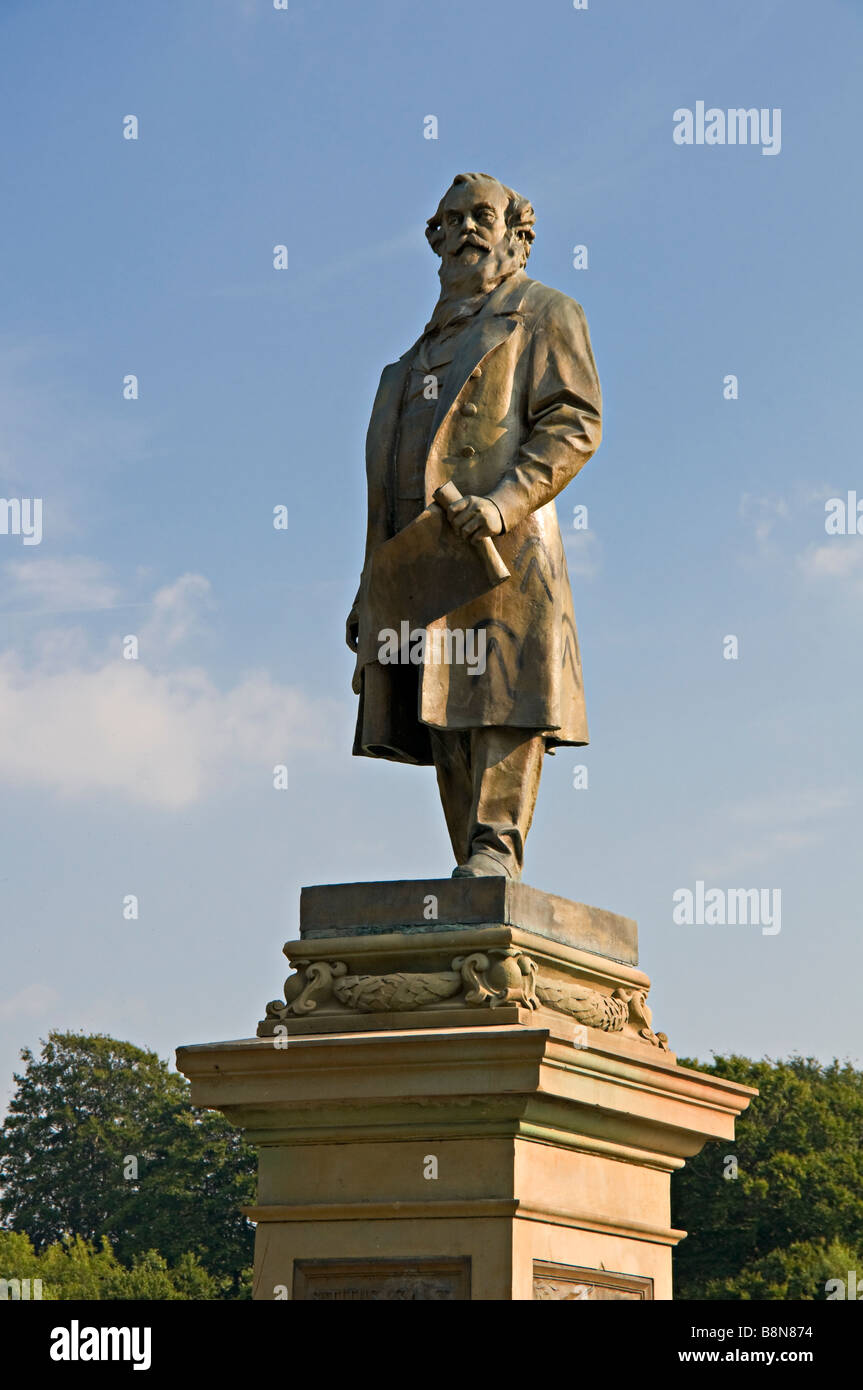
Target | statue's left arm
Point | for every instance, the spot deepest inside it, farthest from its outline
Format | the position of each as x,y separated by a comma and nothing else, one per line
563,408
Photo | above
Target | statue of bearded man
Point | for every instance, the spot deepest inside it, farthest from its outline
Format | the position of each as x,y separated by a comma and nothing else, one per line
500,396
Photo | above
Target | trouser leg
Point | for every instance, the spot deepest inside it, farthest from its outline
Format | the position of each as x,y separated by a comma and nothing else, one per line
488,780
507,765
452,763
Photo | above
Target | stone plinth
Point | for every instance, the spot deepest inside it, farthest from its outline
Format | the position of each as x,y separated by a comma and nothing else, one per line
446,904
472,1105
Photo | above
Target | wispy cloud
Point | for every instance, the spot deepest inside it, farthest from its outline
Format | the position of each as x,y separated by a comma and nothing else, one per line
313,279
150,732
72,585
56,439
177,612
788,535
762,515
838,563
583,553
806,805
759,831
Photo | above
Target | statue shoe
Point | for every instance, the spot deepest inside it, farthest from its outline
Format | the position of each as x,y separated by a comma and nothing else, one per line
482,866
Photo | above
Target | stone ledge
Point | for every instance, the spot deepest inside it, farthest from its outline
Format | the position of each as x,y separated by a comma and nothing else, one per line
510,1078
402,905
508,1208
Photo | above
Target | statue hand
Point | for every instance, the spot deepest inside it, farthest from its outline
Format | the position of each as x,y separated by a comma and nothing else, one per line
475,517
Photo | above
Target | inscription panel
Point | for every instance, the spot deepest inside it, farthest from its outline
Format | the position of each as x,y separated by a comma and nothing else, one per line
381,1280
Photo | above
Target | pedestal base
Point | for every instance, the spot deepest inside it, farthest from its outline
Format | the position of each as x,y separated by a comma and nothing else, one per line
436,1120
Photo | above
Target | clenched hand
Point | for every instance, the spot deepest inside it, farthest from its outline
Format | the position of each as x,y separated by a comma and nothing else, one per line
475,517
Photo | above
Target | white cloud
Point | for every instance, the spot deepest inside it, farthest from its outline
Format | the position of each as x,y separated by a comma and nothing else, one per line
830,570
762,514
583,553
176,613
161,739
69,585
840,560
770,519
81,724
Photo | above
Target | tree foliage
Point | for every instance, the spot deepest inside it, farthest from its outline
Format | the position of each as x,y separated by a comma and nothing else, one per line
101,1142
792,1218
75,1268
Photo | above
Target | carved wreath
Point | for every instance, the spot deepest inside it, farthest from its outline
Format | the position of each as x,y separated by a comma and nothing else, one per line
502,975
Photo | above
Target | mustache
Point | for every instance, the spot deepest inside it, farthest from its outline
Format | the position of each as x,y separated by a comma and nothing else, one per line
471,239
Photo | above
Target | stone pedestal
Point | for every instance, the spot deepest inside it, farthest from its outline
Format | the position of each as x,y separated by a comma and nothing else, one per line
462,1096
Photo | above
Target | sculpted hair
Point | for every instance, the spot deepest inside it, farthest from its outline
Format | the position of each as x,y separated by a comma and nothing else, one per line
520,216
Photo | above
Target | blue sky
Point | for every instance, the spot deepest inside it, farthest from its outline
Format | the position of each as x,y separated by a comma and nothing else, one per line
155,257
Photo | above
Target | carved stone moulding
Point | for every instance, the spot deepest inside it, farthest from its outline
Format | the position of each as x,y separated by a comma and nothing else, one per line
565,1283
486,979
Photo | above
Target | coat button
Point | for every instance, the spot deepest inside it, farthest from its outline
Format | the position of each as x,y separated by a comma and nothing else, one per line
476,374
468,451
468,408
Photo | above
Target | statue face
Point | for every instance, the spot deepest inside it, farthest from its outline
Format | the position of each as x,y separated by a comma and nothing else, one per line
474,222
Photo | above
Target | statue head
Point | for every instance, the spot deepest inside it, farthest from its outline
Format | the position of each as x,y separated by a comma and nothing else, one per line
481,230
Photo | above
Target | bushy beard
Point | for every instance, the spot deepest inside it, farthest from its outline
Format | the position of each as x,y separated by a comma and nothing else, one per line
463,282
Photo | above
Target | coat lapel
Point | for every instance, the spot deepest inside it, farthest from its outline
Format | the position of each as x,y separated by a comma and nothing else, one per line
492,326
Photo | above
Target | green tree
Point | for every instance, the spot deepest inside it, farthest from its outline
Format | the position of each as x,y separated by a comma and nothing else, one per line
792,1217
101,1141
800,1272
74,1268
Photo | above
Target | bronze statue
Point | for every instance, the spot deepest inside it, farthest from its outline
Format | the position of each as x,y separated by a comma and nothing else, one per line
456,666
